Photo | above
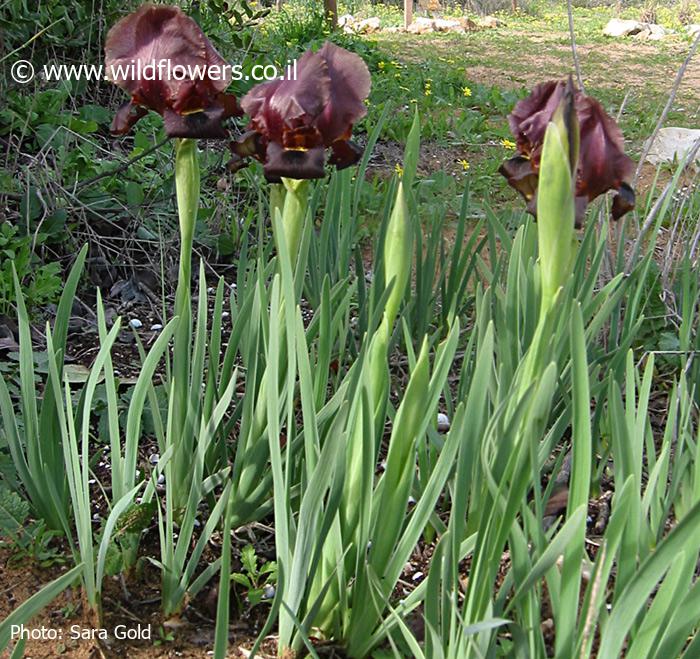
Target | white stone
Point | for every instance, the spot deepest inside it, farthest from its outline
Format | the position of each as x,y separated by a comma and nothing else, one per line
617,27
155,327
421,25
444,25
135,323
652,32
672,144
693,30
443,422
489,22
367,25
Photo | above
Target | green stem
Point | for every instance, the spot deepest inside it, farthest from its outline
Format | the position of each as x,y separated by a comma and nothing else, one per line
296,202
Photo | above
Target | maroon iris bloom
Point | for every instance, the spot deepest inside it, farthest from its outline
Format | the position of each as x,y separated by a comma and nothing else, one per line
162,58
293,122
602,164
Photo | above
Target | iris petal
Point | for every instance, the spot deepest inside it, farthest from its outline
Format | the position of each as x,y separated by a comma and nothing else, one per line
345,153
204,124
289,163
127,115
162,58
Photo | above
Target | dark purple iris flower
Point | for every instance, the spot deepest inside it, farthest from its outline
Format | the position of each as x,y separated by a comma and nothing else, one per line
293,122
602,163
161,57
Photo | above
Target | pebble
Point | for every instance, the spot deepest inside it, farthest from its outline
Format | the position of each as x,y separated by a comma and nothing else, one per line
268,592
135,323
155,327
153,458
443,422
417,576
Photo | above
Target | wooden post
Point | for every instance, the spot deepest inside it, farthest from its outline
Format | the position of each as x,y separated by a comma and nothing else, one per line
330,9
407,13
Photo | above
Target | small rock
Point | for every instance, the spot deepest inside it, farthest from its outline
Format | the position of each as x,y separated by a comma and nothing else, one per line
368,25
417,576
489,22
153,458
443,25
673,144
443,422
268,592
617,27
652,32
693,30
156,327
161,479
135,323
421,26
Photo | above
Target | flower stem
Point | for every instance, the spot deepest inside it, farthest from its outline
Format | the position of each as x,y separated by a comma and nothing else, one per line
296,202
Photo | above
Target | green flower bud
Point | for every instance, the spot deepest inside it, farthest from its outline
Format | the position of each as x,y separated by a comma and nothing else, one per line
397,256
556,210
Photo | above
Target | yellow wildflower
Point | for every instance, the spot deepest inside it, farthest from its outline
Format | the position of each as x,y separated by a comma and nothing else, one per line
398,169
508,144
465,164
466,91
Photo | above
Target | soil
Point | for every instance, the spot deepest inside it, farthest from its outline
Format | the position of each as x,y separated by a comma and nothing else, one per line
629,65
192,634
